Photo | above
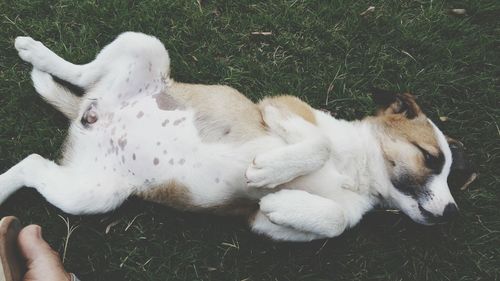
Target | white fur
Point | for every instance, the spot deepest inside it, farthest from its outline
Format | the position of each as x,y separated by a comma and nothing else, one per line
327,175
439,183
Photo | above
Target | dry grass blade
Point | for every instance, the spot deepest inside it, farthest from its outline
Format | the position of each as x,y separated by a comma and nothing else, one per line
265,33
69,231
370,9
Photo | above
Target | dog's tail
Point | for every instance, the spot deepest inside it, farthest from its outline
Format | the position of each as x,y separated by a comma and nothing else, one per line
55,94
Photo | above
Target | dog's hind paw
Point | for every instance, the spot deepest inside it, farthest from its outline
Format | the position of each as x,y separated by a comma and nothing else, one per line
32,51
42,81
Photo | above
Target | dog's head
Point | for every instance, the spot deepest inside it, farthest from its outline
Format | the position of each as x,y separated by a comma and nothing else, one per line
417,158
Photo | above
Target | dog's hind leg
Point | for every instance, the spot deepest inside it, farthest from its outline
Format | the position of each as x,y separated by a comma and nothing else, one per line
45,60
69,189
55,94
111,60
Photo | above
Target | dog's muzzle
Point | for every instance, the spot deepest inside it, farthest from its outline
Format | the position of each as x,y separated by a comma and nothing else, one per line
450,212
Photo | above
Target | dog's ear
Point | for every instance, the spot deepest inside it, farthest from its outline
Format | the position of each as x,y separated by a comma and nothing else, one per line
393,103
461,172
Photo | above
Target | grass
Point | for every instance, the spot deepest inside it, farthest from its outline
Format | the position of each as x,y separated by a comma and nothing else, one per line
322,51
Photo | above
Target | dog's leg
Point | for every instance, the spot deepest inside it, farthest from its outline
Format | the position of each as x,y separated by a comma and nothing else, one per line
261,224
73,191
58,96
45,60
308,150
305,212
112,59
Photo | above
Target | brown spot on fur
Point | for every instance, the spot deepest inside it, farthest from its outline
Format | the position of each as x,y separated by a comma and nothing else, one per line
178,121
124,104
165,123
133,156
122,142
156,161
291,105
140,114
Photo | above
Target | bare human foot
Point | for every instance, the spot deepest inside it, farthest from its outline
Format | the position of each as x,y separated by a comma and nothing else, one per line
42,262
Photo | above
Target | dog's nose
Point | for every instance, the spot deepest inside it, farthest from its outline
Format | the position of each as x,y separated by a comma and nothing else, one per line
450,211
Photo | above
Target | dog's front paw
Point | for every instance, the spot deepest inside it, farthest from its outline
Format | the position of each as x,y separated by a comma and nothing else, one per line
303,211
281,207
267,171
32,51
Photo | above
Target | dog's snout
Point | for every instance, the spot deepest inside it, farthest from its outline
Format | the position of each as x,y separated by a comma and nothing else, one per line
450,211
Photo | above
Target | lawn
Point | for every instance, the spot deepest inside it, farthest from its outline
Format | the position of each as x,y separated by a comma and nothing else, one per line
323,51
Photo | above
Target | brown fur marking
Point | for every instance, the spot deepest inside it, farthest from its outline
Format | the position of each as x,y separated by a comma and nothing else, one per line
171,193
176,195
222,113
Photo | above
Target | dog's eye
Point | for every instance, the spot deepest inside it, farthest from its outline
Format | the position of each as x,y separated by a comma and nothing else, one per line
427,155
432,162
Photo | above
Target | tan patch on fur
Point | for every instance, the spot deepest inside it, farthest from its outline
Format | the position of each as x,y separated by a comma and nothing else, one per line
222,113
290,104
176,195
418,130
171,193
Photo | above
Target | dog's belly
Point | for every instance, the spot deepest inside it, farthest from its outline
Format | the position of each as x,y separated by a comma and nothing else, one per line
142,146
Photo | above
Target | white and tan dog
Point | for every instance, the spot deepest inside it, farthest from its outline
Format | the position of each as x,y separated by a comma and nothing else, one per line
296,172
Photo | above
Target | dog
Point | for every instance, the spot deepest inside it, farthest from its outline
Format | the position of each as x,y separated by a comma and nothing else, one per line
296,173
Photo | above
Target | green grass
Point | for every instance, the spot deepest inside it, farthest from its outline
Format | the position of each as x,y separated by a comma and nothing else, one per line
322,51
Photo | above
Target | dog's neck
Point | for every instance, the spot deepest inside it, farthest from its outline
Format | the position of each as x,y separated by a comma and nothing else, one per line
358,155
